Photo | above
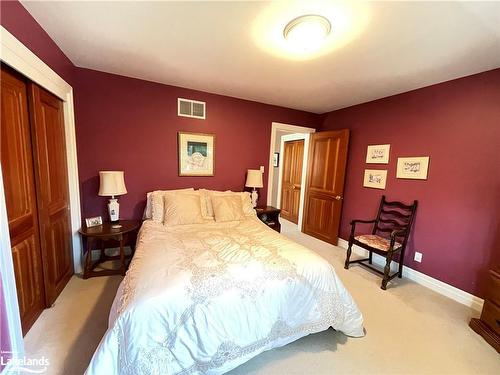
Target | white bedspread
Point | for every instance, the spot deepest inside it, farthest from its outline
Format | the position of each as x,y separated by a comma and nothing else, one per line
205,298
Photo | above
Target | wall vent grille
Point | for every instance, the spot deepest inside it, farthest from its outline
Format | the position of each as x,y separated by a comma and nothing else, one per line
191,108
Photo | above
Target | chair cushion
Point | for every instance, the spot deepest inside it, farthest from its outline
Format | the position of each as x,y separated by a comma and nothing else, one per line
376,242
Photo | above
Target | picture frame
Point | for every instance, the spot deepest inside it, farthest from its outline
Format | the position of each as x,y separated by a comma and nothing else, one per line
375,178
378,154
196,153
93,221
276,159
413,168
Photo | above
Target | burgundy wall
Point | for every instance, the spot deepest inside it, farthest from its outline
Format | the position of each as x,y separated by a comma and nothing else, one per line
457,124
16,19
131,125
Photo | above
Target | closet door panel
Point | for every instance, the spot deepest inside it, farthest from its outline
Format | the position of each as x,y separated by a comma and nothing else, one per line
49,150
20,197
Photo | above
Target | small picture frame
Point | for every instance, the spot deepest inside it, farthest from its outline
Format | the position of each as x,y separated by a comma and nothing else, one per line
276,159
378,154
375,178
413,168
93,221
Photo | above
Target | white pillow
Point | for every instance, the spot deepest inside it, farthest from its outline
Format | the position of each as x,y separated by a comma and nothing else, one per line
248,209
184,208
228,207
206,202
155,203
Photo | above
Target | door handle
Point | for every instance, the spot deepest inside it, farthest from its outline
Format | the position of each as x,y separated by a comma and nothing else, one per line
338,197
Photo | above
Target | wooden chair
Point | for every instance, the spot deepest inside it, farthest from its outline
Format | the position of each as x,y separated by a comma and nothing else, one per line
389,237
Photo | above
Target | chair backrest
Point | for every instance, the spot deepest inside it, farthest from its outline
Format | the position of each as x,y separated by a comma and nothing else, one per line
394,216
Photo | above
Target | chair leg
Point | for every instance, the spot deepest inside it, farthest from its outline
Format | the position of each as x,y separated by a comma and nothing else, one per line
401,259
349,251
387,269
370,258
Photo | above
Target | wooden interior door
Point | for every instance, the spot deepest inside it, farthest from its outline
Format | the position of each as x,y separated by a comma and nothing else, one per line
325,184
291,183
51,175
20,196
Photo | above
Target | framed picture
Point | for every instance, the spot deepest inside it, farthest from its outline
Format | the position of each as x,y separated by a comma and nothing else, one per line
378,154
276,159
196,154
375,178
93,221
413,168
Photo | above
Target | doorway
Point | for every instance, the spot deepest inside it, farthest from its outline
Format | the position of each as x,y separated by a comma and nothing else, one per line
291,178
279,134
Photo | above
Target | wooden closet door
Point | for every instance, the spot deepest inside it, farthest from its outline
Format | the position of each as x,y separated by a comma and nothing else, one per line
325,184
49,151
291,183
20,196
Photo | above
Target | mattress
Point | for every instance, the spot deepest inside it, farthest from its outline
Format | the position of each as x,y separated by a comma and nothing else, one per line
205,298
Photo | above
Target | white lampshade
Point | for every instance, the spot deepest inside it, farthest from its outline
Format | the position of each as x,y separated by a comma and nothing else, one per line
254,178
111,183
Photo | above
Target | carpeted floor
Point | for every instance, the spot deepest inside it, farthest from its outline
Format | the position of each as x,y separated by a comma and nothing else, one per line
409,330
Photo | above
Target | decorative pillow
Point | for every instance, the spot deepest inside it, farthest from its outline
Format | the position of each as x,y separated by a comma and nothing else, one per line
206,202
182,209
227,207
248,209
155,203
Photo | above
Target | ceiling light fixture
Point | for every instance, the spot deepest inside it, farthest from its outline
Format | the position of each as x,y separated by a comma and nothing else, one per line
307,33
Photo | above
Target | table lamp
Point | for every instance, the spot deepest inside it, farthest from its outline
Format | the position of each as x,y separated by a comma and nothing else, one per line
254,180
112,183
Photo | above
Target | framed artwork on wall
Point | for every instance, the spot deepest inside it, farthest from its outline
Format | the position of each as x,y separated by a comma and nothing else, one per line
375,178
378,154
276,159
415,168
196,154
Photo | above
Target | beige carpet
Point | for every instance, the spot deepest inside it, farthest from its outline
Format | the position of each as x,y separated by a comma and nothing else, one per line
410,330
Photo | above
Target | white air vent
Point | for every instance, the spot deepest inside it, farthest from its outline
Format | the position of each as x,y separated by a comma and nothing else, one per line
190,108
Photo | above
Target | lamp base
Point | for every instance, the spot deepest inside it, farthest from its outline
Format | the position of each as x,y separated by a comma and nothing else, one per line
114,209
255,197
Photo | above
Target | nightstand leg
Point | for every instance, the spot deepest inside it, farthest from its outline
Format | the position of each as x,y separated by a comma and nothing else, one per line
88,259
122,257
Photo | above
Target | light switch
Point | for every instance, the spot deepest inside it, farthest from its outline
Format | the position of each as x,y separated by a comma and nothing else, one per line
262,168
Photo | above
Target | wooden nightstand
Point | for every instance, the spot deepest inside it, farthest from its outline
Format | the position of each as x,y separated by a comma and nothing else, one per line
269,216
488,325
103,233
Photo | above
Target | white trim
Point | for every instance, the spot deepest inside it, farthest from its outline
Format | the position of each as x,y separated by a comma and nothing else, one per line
295,137
275,127
9,280
191,115
440,287
19,57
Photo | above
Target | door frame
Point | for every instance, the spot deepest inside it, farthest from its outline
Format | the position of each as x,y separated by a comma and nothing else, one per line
295,137
19,57
275,128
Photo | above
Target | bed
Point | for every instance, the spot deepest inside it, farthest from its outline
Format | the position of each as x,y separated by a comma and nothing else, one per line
204,298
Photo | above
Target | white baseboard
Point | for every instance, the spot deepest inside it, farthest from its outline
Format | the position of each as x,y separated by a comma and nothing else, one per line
440,287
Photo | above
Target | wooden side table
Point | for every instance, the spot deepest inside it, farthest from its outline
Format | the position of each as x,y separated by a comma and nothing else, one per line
270,216
103,233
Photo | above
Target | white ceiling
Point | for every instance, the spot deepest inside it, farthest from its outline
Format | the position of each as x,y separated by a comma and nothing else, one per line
384,48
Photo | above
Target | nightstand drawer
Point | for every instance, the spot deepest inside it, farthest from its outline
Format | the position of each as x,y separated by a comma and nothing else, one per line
493,292
491,316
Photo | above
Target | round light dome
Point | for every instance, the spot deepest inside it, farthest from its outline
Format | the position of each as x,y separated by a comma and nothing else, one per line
307,33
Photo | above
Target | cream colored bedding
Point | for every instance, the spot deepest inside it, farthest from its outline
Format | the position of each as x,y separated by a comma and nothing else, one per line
204,298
